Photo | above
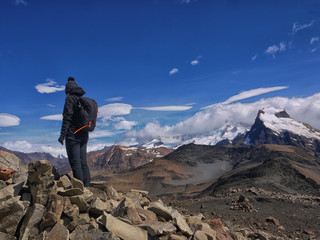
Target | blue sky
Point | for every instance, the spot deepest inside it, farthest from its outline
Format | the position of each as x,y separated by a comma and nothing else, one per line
153,65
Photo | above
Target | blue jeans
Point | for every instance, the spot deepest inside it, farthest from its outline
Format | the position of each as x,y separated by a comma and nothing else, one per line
76,146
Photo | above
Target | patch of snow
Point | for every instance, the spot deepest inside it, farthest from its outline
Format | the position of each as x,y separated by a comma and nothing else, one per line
280,125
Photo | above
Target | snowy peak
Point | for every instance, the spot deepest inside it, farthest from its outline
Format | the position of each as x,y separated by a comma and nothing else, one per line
157,142
279,121
275,126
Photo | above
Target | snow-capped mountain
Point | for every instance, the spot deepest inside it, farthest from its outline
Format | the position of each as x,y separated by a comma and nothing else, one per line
275,126
222,136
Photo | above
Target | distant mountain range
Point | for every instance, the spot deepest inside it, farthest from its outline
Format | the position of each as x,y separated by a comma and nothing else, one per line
276,153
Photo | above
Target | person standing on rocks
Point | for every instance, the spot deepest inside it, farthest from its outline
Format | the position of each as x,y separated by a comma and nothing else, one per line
76,143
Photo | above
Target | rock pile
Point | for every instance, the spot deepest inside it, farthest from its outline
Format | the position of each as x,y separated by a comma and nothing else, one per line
41,207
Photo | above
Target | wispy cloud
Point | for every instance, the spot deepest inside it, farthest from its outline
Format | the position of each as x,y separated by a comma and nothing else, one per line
103,133
114,109
298,27
174,71
8,120
165,108
185,1
125,125
249,94
51,105
254,57
314,40
194,62
20,2
114,99
274,49
55,117
49,87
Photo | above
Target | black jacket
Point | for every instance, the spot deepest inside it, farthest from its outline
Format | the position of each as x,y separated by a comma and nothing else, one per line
69,123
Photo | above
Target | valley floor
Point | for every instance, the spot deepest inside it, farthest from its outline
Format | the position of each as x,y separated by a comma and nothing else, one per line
286,216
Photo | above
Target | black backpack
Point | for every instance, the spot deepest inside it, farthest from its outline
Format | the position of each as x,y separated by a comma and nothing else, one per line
86,113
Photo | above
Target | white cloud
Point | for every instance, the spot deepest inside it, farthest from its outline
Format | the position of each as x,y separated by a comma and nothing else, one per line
302,109
54,151
114,99
174,71
250,93
23,146
254,57
125,125
314,40
56,117
166,108
272,50
114,109
8,120
103,133
20,2
314,49
298,27
49,87
194,62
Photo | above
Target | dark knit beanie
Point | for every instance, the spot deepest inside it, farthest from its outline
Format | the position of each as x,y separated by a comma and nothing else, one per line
70,85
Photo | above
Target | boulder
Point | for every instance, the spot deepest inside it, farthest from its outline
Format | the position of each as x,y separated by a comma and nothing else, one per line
146,215
181,223
156,228
76,183
5,236
86,232
97,206
71,211
54,209
112,193
64,182
29,227
200,235
10,191
41,181
98,193
58,232
9,160
160,210
80,202
2,184
69,192
122,229
11,212
127,210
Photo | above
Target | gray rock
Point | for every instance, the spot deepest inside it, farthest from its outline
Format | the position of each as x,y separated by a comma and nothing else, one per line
127,210
2,184
181,223
76,183
97,206
71,211
147,215
98,193
69,192
41,181
31,221
10,191
58,232
9,160
112,193
11,212
160,210
5,236
156,228
83,233
80,202
177,237
199,235
122,229
64,182
56,205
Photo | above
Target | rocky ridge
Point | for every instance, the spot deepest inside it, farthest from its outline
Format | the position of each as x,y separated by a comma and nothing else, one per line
47,207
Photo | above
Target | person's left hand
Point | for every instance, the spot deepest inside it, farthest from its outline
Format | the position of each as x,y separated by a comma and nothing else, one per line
60,140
